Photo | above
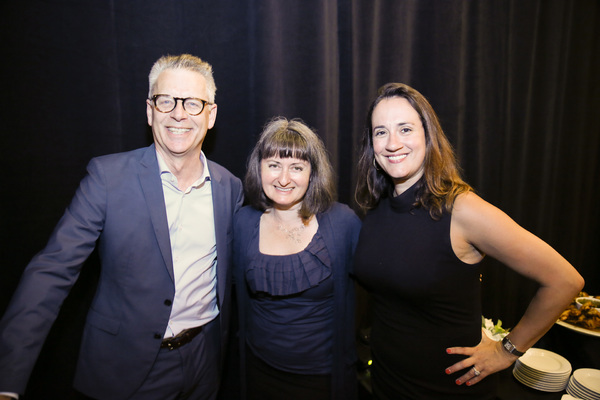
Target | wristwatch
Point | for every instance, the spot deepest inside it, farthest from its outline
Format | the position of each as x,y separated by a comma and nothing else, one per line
510,347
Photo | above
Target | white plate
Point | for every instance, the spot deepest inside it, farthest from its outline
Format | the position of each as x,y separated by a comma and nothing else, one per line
580,393
537,384
578,329
545,361
576,395
588,377
546,376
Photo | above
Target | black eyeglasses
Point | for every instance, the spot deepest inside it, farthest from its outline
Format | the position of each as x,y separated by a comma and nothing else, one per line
166,103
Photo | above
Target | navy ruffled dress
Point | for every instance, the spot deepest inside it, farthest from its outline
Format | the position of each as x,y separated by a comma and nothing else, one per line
296,312
291,302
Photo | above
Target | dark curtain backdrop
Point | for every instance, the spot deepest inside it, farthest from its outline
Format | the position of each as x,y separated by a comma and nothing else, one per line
515,84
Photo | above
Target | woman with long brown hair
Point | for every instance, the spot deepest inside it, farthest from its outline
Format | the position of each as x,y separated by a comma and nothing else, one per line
423,237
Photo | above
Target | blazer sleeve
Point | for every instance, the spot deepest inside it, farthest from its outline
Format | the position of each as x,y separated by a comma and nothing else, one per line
47,280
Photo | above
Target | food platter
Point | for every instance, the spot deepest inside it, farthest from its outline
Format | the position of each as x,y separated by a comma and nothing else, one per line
582,315
578,328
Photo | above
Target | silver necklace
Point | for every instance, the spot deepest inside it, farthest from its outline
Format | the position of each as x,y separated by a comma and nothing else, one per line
294,234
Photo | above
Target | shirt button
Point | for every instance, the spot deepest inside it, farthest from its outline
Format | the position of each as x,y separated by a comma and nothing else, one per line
168,302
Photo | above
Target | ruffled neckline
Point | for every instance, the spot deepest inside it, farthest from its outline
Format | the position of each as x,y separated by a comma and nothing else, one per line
288,274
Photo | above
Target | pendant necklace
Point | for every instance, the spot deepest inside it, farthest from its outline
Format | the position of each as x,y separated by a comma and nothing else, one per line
294,234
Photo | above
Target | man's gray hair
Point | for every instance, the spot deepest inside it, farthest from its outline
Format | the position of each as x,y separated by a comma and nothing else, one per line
183,61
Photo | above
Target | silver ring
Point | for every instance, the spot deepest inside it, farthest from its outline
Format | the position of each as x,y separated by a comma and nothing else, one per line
477,373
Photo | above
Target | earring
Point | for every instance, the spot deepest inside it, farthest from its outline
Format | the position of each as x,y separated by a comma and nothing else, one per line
376,165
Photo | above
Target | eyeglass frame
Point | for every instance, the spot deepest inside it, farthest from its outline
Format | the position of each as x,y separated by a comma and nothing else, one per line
183,100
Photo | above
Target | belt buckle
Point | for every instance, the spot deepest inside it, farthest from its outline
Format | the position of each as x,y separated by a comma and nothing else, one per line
181,338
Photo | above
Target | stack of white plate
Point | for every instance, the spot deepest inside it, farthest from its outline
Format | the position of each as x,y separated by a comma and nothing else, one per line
543,370
585,384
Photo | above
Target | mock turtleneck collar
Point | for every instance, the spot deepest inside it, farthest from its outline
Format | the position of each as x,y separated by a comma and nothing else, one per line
405,201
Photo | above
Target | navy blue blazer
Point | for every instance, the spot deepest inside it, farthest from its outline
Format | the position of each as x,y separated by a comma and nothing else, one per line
119,207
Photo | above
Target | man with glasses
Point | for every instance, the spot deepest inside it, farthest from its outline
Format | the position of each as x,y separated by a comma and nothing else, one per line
160,215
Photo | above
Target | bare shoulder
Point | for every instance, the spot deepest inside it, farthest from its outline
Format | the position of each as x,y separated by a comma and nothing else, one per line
493,232
470,213
471,209
485,226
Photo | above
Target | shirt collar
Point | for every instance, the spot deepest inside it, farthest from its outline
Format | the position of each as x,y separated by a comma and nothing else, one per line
164,169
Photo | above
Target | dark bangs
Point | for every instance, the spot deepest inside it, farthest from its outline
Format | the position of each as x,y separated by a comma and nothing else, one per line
284,145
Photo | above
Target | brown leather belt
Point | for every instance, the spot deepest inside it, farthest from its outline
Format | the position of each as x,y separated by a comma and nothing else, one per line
183,337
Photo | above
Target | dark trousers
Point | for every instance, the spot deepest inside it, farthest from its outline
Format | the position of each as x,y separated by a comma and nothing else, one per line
190,372
267,383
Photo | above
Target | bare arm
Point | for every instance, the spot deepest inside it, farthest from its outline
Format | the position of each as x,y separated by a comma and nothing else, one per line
480,225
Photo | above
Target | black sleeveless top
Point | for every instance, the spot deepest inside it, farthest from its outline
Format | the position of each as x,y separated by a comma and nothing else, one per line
424,300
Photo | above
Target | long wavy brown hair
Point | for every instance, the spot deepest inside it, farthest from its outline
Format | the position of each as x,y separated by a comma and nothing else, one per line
441,182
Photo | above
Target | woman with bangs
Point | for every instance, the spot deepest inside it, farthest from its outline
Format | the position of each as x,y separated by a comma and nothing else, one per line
293,249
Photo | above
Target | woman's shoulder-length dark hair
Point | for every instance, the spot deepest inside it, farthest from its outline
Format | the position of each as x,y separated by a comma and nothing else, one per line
441,182
292,139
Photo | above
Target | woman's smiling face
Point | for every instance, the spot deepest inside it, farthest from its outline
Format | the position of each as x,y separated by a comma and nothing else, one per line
285,180
399,141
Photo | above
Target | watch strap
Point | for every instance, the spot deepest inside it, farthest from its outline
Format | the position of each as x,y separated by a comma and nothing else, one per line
510,347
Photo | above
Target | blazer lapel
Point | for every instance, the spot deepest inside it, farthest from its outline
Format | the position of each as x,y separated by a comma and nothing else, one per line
219,208
152,187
